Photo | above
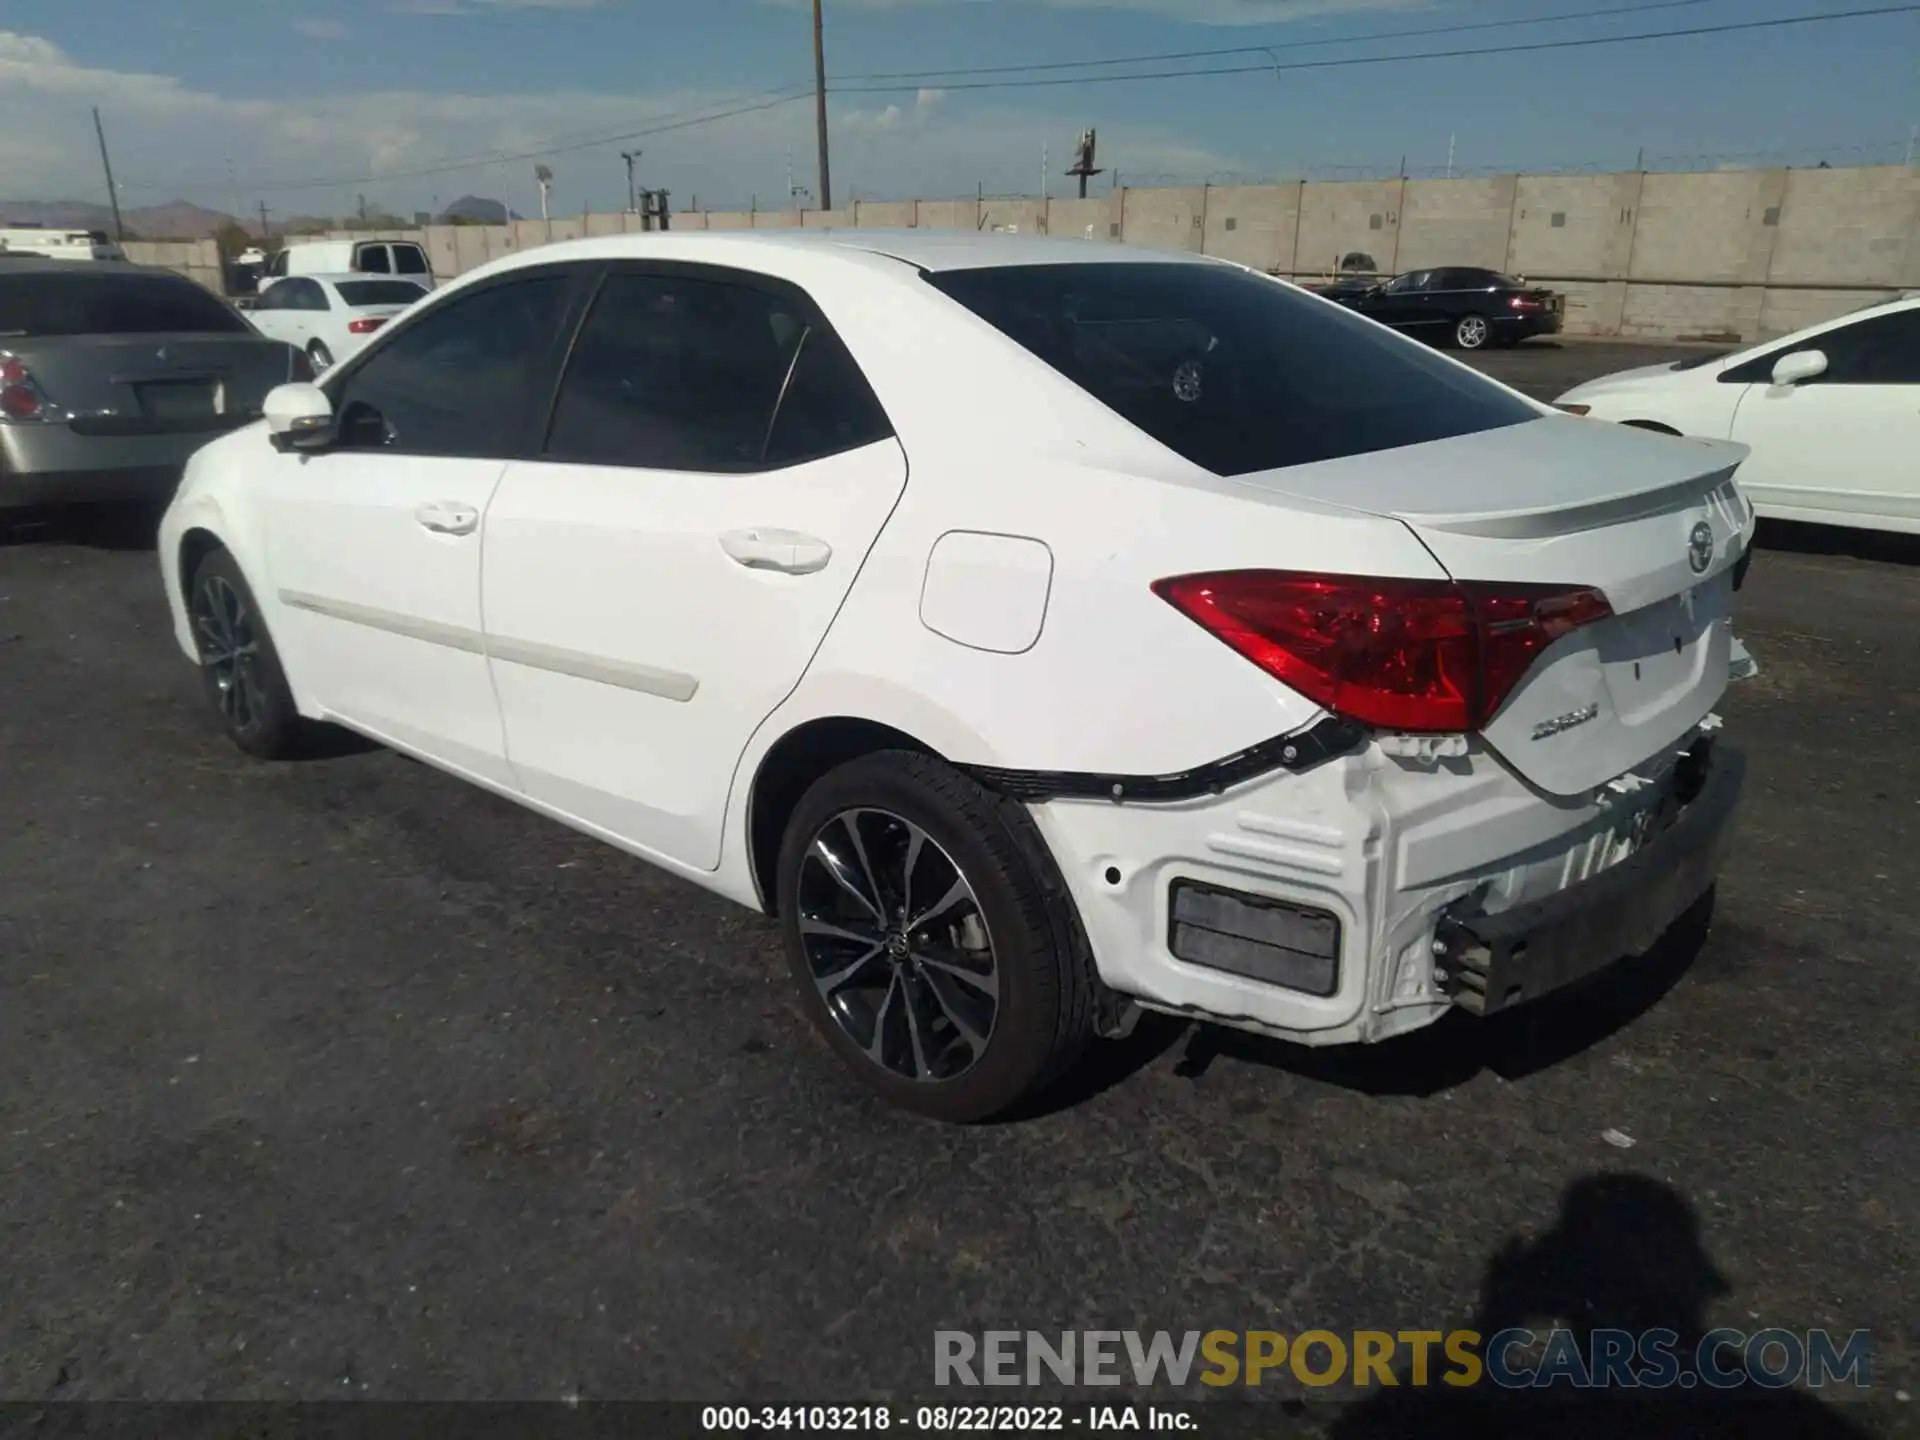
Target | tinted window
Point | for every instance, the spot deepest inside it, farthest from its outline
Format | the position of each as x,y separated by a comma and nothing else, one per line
827,406
120,304
1235,372
1461,279
1883,350
454,381
373,260
379,292
675,374
274,297
308,295
1412,280
409,260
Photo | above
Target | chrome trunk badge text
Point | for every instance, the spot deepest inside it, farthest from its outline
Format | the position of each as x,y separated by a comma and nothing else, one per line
1572,718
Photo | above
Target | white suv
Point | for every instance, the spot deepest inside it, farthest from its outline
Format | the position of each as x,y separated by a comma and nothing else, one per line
1041,631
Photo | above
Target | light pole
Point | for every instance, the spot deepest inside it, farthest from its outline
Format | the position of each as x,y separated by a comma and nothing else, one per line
630,156
820,105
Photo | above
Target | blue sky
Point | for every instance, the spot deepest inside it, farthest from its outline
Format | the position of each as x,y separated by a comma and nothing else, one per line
228,104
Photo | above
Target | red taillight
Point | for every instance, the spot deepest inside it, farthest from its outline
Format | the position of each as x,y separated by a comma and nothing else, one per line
20,398
366,324
1418,655
1525,302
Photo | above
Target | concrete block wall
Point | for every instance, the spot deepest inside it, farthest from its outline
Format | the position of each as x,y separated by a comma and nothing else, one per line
1746,253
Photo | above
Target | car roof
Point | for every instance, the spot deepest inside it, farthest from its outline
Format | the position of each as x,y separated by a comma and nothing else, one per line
931,250
25,263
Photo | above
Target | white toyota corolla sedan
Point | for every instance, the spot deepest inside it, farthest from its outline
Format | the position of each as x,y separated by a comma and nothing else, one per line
1831,414
1041,630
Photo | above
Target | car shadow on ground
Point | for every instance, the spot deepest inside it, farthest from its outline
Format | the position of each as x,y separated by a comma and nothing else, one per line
1428,1062
99,527
1624,1254
1798,538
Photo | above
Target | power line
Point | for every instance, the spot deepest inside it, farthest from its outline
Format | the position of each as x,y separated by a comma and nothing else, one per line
1276,66
1285,45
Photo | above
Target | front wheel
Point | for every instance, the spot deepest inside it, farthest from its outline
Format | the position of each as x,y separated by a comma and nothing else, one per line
932,942
239,668
1471,332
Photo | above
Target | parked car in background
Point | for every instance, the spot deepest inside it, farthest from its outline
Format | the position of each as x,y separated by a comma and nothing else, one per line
1831,414
402,258
59,244
1460,305
1254,664
329,317
112,375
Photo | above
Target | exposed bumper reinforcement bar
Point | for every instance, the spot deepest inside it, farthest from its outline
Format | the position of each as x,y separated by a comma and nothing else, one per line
1494,962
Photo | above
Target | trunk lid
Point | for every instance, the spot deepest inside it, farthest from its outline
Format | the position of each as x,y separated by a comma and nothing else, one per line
152,384
1574,502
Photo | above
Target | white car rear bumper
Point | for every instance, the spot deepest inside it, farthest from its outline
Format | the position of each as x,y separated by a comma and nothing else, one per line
1353,868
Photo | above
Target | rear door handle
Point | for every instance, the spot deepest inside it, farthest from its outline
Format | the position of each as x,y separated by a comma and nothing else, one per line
447,517
788,551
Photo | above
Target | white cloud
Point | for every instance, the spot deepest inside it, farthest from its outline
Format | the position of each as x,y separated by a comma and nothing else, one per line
482,7
321,29
171,141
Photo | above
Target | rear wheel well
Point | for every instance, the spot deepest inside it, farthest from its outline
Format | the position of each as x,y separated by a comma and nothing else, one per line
195,546
1653,425
789,770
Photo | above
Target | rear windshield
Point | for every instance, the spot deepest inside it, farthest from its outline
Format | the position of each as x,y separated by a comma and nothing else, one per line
409,260
93,304
1233,371
379,292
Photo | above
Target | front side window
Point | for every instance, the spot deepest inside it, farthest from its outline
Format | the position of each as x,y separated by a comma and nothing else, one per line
679,374
454,382
373,260
1233,371
119,304
1880,350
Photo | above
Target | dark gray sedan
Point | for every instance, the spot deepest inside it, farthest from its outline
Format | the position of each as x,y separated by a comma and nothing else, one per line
111,375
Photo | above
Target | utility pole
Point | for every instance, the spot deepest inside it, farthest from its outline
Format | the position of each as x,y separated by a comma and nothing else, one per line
265,233
820,105
630,156
113,195
1450,140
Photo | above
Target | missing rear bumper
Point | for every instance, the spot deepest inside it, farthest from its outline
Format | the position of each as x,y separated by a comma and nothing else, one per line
1494,962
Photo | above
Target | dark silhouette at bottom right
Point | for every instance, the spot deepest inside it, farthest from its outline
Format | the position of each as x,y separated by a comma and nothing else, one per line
1624,1255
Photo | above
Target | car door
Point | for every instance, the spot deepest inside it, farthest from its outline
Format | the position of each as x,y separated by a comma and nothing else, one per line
1843,446
658,579
1402,303
315,310
273,314
373,544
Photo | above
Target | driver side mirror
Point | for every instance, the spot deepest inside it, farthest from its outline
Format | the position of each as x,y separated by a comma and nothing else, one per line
299,417
1798,366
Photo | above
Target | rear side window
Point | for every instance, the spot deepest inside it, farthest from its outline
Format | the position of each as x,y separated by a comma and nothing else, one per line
379,292
373,260
118,304
1232,371
677,374
409,260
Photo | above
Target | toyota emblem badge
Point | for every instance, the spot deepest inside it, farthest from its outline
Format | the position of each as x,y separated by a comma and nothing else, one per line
1700,547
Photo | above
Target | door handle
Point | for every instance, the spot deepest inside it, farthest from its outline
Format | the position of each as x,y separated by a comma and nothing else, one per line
787,551
447,517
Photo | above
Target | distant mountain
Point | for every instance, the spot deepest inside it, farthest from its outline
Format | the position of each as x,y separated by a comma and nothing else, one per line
476,210
178,220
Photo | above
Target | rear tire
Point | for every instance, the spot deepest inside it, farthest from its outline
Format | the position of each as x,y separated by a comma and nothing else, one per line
1472,332
931,938
239,668
320,356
